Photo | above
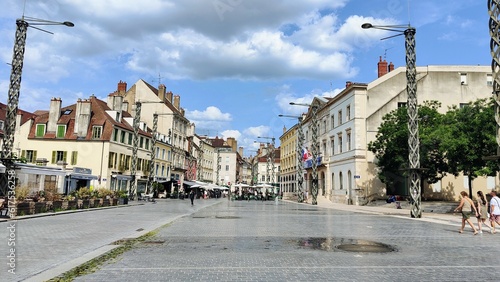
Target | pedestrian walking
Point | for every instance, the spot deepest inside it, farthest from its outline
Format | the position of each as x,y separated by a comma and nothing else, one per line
191,197
467,207
482,210
494,211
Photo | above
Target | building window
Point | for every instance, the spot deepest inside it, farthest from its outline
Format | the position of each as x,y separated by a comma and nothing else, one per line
29,155
58,156
122,137
1,124
61,131
332,141
96,132
40,130
112,160
227,167
324,148
141,142
348,141
115,135
463,78
340,117
130,135
489,79
341,181
332,121
74,157
340,143
348,113
463,105
401,105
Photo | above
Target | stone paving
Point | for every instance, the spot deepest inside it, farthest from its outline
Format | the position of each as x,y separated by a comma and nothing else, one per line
49,245
265,241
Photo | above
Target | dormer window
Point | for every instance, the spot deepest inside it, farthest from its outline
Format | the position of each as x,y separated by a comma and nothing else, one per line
67,112
96,132
61,131
40,130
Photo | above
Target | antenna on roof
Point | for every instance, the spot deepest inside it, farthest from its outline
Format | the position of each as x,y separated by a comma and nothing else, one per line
408,12
385,52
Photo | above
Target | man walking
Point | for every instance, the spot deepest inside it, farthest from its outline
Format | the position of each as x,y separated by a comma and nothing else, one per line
191,197
494,211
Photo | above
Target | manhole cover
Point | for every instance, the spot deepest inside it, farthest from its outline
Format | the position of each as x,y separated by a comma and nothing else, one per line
343,244
227,217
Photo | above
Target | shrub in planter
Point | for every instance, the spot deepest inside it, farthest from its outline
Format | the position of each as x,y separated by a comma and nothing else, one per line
59,205
40,207
86,203
105,202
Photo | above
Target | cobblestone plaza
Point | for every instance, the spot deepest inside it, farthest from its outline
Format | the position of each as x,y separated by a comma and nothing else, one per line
220,240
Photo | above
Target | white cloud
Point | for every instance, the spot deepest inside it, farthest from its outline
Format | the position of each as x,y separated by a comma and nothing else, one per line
231,133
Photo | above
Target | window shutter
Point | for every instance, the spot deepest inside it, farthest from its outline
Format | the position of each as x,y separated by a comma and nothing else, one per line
34,157
74,157
65,154
23,153
53,157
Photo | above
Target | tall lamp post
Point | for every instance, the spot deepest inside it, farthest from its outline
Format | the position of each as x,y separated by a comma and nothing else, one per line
270,159
300,166
135,144
494,25
14,90
411,89
314,149
153,149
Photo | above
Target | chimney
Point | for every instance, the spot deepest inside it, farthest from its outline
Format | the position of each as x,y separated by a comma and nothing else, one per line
54,114
177,102
382,67
161,92
284,129
391,66
348,83
240,151
169,96
122,87
82,117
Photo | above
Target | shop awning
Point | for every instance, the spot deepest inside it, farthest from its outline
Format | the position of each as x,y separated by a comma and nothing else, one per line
82,176
190,183
122,177
40,170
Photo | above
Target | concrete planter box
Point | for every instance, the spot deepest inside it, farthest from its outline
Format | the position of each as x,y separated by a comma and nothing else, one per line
25,208
41,207
59,205
105,202
86,204
72,205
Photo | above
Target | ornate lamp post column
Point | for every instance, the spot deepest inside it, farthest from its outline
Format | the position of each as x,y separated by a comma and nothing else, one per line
411,89
300,165
494,25
13,97
314,150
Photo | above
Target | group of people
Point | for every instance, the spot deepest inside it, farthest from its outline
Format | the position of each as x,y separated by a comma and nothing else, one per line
480,211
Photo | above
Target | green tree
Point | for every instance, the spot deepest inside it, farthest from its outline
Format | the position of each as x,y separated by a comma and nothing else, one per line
468,135
391,146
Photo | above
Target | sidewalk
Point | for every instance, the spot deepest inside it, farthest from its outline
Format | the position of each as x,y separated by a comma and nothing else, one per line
452,219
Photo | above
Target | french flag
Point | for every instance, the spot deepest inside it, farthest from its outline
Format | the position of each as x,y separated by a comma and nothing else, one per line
306,154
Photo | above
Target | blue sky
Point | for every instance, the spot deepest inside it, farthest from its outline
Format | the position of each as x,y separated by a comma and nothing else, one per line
235,63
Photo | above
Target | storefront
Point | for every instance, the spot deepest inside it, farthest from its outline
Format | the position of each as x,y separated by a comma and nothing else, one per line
38,178
120,182
78,178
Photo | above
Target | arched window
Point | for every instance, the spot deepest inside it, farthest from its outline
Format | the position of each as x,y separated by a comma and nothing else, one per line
333,182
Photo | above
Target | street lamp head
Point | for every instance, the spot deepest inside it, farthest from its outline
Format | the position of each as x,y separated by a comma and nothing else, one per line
69,24
366,25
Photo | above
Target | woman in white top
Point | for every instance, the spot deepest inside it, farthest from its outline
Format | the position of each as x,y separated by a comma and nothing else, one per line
466,206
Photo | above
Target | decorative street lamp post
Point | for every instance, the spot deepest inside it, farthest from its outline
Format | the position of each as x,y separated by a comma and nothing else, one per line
300,165
494,25
411,89
14,90
270,159
314,149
